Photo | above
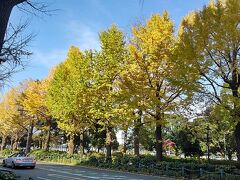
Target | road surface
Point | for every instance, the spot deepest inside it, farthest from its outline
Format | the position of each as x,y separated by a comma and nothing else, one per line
46,171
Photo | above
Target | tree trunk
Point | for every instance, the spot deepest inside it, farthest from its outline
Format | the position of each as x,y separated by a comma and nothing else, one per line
6,7
11,143
71,144
125,141
176,150
158,132
109,142
15,145
82,144
47,141
5,11
3,145
234,87
16,142
136,136
229,156
40,144
159,143
237,139
29,137
158,135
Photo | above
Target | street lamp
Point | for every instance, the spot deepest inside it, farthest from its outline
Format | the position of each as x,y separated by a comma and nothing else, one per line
225,144
208,155
206,117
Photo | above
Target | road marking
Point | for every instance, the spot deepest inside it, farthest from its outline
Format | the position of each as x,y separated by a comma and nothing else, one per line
43,178
103,176
59,176
63,177
60,169
73,174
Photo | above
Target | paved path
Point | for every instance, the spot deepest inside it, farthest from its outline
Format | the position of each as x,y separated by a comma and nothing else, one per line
46,171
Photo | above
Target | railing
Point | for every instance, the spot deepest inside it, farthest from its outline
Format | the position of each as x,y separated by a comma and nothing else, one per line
188,173
200,174
163,169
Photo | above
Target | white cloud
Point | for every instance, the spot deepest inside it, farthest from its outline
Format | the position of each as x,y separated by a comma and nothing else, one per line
82,35
50,58
77,34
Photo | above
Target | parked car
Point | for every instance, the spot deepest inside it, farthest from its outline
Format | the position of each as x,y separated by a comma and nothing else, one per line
19,160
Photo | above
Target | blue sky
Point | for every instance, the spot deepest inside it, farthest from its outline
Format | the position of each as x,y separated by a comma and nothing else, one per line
78,22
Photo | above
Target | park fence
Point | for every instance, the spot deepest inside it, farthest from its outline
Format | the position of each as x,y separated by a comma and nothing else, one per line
155,169
193,174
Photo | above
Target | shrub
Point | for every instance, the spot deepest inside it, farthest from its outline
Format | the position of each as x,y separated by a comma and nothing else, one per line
55,156
7,152
8,176
232,177
144,164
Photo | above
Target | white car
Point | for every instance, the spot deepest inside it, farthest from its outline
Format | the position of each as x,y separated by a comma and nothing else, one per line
19,160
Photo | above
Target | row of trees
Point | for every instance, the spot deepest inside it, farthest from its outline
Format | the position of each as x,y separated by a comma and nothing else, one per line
136,83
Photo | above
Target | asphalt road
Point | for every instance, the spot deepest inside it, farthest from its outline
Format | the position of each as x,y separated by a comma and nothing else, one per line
46,171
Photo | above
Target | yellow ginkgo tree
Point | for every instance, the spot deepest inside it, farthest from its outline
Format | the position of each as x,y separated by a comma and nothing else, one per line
13,125
108,65
209,43
68,95
34,103
151,80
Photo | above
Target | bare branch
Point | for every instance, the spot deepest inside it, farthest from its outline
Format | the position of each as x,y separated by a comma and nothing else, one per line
35,8
14,51
223,75
13,45
212,85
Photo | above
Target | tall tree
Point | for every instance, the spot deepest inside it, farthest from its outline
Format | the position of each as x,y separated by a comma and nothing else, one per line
152,76
34,103
68,94
27,109
109,64
13,124
210,45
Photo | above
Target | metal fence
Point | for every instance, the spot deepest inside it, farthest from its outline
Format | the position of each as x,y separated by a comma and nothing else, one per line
200,174
163,169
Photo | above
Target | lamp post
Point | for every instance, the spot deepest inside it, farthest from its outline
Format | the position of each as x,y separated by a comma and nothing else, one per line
225,144
208,155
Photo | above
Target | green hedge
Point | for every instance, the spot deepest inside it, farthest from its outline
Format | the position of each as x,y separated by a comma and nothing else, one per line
146,164
125,161
7,152
8,176
55,156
